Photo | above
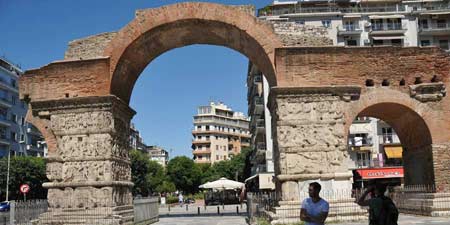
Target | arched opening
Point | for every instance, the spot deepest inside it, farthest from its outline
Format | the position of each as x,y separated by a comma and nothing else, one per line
387,121
147,37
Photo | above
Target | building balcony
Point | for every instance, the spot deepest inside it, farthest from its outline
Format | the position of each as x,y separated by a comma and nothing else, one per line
4,122
4,140
298,10
260,126
202,161
5,102
194,142
435,29
258,104
387,28
352,29
226,133
388,139
6,86
201,152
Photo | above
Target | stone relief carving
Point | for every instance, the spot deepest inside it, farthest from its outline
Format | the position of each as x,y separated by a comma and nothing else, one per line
311,137
309,109
88,197
315,162
53,171
81,123
83,146
428,91
95,171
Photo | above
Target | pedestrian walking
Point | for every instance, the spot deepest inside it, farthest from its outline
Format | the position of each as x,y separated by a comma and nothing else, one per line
180,199
314,210
382,210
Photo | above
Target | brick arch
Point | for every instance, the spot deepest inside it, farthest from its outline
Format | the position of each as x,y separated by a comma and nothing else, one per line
409,119
43,126
155,31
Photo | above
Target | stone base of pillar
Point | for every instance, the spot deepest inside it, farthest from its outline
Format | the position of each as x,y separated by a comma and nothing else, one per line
122,215
426,204
340,210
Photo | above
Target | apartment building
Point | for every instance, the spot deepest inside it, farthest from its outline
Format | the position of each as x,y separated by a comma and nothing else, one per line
370,22
219,133
261,158
158,154
16,135
136,141
375,152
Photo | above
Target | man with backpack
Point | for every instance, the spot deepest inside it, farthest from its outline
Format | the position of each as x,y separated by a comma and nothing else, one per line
382,210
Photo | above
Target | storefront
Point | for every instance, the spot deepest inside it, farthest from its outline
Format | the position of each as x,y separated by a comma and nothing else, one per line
392,176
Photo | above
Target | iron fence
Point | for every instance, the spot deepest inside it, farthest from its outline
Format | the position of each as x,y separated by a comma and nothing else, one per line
263,207
38,212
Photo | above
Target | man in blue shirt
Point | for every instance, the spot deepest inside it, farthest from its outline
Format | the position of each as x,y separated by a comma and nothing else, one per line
314,210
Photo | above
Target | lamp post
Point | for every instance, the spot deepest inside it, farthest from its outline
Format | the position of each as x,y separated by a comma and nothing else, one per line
7,175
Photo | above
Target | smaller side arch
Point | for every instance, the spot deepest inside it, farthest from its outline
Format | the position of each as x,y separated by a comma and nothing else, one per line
43,126
409,119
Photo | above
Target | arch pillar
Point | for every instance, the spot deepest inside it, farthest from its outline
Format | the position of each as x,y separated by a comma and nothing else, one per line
310,144
89,171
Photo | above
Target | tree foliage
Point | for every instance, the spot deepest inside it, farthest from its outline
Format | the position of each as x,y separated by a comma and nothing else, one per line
146,175
23,170
184,173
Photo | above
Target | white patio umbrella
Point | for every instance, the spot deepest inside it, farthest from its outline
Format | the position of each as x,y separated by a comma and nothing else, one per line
222,184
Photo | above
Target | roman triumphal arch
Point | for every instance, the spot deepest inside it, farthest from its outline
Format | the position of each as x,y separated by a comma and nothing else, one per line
81,104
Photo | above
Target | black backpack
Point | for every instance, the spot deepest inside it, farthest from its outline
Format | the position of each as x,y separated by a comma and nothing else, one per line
390,211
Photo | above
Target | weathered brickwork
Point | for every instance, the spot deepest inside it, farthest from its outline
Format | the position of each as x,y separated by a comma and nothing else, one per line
89,47
293,34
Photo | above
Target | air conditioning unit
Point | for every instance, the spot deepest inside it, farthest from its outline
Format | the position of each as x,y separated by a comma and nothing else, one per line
367,24
366,41
28,147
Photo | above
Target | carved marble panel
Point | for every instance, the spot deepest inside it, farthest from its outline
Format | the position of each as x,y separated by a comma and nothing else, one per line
82,123
95,171
311,137
313,162
89,197
428,91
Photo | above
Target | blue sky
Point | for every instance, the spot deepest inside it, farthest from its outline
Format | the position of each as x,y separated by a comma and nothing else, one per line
35,33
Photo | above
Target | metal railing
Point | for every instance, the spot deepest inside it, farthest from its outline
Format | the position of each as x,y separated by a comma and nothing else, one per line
435,26
330,9
387,26
349,27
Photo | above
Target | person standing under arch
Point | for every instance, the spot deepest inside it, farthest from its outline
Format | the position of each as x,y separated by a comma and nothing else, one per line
314,210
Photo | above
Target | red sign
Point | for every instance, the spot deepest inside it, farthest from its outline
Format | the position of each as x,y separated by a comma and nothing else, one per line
24,188
381,173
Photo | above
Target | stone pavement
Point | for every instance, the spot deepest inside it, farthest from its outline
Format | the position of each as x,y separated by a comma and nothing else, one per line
203,220
409,219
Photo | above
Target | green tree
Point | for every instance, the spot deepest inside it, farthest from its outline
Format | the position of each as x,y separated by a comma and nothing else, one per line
184,173
145,174
166,187
23,170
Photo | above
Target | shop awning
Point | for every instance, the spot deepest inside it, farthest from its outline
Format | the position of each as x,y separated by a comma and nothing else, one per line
367,174
387,37
393,16
393,152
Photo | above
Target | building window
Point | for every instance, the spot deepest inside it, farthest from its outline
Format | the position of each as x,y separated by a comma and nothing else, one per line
326,23
217,147
351,43
443,44
13,99
424,24
14,136
13,83
396,42
217,157
300,22
22,138
22,121
425,43
14,118
207,127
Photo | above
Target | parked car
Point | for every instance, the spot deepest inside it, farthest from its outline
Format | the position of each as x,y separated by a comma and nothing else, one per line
4,206
189,201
